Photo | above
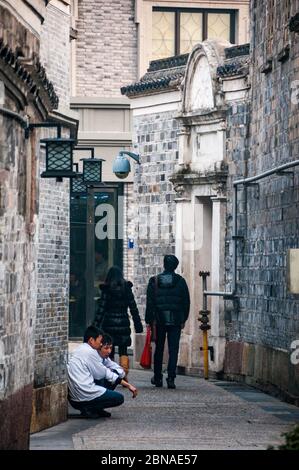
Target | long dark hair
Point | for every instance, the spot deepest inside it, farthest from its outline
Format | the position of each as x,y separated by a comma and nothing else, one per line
115,277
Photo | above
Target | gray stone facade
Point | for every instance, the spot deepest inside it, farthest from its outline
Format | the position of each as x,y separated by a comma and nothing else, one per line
154,197
261,328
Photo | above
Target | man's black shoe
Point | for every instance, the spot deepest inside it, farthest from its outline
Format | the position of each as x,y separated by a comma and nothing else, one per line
104,414
95,414
157,382
170,382
89,414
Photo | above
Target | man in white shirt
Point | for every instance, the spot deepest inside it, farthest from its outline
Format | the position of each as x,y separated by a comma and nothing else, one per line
84,368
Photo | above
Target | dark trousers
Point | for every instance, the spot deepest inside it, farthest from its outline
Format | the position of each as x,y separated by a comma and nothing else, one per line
108,400
173,338
122,351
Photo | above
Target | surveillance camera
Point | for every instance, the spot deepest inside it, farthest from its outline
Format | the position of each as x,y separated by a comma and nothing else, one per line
121,167
121,174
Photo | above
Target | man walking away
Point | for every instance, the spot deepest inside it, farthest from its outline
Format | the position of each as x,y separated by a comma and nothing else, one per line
167,305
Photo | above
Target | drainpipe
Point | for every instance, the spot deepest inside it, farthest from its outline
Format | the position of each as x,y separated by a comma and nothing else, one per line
279,170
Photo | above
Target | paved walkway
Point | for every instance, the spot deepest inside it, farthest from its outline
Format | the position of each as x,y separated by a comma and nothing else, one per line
197,415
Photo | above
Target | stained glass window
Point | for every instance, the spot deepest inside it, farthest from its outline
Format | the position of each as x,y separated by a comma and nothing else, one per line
163,34
190,31
219,26
176,31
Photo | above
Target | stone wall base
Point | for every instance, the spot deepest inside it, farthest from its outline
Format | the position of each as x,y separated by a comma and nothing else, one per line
15,412
265,368
49,406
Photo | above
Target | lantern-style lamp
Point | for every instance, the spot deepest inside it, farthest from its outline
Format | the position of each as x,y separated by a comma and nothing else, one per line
59,158
78,187
59,152
92,169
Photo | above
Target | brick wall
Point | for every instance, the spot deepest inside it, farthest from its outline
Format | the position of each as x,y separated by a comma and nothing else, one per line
129,231
17,256
51,333
55,51
266,320
18,291
106,48
154,196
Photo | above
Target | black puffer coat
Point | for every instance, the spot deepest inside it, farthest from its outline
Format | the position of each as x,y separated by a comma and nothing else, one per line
168,300
112,315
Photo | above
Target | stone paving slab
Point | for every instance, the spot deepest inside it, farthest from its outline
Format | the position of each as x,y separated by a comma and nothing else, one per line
197,415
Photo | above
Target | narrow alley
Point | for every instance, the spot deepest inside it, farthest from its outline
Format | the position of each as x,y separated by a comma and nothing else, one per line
198,415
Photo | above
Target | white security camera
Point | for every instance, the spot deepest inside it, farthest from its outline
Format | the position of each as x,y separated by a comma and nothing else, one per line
121,165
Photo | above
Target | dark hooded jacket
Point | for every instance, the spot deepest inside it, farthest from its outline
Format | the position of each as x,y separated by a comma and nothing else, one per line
168,300
112,314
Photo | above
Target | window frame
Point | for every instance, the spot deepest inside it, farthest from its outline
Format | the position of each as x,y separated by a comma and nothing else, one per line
205,12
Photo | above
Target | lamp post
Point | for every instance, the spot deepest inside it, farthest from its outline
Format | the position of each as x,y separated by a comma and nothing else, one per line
121,165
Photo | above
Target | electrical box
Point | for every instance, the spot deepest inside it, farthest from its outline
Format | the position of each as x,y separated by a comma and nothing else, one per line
293,271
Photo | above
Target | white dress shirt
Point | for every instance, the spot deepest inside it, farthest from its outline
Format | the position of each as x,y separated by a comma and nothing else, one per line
85,366
113,366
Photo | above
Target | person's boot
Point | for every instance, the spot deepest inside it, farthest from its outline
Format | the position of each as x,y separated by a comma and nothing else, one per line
157,381
125,364
170,382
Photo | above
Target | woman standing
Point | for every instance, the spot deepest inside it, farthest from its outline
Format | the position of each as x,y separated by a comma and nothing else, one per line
112,315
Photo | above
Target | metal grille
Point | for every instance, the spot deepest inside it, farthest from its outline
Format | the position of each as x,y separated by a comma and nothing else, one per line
78,186
59,156
92,172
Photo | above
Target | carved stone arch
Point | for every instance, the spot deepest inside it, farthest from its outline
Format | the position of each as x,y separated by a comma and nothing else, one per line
200,85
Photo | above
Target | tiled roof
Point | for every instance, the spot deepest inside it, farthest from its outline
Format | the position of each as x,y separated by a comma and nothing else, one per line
162,74
30,72
237,51
236,61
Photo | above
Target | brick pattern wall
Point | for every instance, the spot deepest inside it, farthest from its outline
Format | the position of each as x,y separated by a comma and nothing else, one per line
106,48
55,52
17,291
157,144
129,231
51,333
267,313
17,261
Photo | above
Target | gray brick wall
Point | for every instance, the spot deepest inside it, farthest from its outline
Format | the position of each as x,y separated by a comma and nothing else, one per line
106,48
55,51
51,334
17,254
17,265
129,231
157,144
267,314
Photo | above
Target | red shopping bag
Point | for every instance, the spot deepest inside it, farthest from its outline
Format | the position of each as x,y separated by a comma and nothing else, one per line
146,356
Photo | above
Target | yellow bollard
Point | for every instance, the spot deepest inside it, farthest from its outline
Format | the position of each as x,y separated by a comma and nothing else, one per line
205,348
204,319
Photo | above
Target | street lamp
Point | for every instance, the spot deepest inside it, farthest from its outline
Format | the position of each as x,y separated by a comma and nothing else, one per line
121,166
59,153
78,187
92,168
